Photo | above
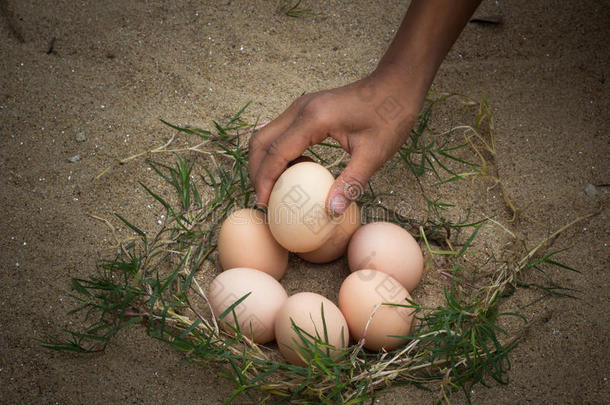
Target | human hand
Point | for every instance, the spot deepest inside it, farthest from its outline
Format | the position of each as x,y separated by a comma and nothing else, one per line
370,119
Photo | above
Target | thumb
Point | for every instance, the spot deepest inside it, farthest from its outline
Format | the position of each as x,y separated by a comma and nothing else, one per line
350,183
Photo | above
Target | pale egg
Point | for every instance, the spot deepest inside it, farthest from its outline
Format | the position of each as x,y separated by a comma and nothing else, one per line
361,300
305,311
256,314
246,241
387,247
297,207
336,245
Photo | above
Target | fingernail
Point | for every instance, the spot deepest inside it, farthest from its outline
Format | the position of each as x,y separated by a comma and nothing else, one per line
257,204
338,205
260,205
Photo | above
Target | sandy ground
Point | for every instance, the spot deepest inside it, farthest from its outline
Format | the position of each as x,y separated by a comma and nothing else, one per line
117,67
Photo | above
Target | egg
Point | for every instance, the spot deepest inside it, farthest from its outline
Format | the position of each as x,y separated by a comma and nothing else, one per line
297,212
246,241
387,247
361,293
305,310
336,245
256,314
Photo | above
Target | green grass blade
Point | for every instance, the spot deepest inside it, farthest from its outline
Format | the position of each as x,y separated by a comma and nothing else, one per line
132,226
232,306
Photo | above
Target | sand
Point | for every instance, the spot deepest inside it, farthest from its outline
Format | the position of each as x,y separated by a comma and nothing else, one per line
115,68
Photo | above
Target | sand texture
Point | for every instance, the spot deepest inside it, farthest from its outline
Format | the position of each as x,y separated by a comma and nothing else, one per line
93,78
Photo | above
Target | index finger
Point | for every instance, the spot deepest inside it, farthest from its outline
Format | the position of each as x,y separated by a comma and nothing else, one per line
260,141
285,148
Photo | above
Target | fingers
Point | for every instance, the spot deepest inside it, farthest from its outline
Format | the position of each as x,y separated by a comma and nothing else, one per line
259,142
279,153
351,182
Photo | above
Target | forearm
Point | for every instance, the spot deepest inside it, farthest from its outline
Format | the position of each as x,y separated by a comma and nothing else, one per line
370,118
426,34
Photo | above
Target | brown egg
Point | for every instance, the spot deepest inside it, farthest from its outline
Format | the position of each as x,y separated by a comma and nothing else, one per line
257,312
246,241
297,207
362,292
336,245
389,248
305,309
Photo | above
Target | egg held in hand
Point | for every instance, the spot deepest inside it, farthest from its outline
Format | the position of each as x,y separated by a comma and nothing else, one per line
361,299
336,245
246,241
387,247
305,311
297,212
256,314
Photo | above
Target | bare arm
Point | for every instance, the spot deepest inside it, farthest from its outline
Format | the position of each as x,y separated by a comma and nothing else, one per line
370,118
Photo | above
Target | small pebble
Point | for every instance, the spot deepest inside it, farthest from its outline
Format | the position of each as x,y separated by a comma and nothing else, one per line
80,137
590,190
74,158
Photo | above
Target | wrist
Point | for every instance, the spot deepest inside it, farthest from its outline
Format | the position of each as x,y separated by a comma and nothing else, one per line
411,81
398,87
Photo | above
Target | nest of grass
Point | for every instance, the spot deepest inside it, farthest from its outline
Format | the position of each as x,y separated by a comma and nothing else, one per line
157,279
